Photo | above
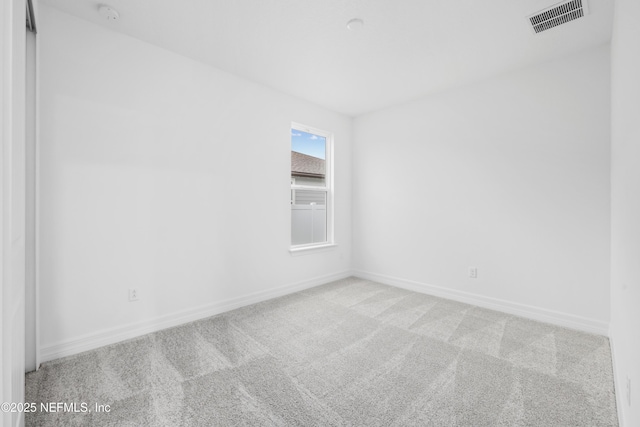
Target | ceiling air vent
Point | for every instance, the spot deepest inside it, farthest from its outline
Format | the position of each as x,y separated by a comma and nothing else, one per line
557,15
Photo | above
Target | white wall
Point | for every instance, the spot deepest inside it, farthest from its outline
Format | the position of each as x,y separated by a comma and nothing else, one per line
510,175
12,207
625,217
146,160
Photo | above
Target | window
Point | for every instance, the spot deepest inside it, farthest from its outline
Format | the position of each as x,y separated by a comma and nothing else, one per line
311,187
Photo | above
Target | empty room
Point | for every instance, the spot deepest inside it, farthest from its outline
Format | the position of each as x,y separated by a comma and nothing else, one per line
320,213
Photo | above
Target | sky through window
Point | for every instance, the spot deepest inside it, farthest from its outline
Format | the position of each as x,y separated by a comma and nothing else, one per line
308,143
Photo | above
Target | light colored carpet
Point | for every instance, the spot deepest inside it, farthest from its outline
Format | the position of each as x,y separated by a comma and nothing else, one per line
349,353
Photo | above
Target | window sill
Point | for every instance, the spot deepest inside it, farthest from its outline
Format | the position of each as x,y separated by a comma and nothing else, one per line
306,250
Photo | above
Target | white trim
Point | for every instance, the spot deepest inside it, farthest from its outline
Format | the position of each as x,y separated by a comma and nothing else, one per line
620,389
310,249
31,107
310,187
329,182
5,51
531,312
37,198
133,330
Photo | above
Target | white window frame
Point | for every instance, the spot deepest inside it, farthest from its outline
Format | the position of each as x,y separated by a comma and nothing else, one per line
328,188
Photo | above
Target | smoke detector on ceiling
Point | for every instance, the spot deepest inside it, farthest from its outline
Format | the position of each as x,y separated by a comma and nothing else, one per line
355,24
109,13
558,14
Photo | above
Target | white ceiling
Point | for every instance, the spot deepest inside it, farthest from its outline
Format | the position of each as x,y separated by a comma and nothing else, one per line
406,49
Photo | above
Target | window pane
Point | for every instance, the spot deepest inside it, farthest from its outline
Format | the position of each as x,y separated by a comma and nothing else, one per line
308,217
308,197
308,154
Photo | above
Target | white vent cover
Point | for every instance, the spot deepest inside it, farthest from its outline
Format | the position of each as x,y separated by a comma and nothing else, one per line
557,15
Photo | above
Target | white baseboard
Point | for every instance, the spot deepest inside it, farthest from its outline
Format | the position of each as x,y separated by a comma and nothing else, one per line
619,388
531,312
125,332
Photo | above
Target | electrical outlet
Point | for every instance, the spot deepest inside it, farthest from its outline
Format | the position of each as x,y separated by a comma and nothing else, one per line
473,272
134,295
628,391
